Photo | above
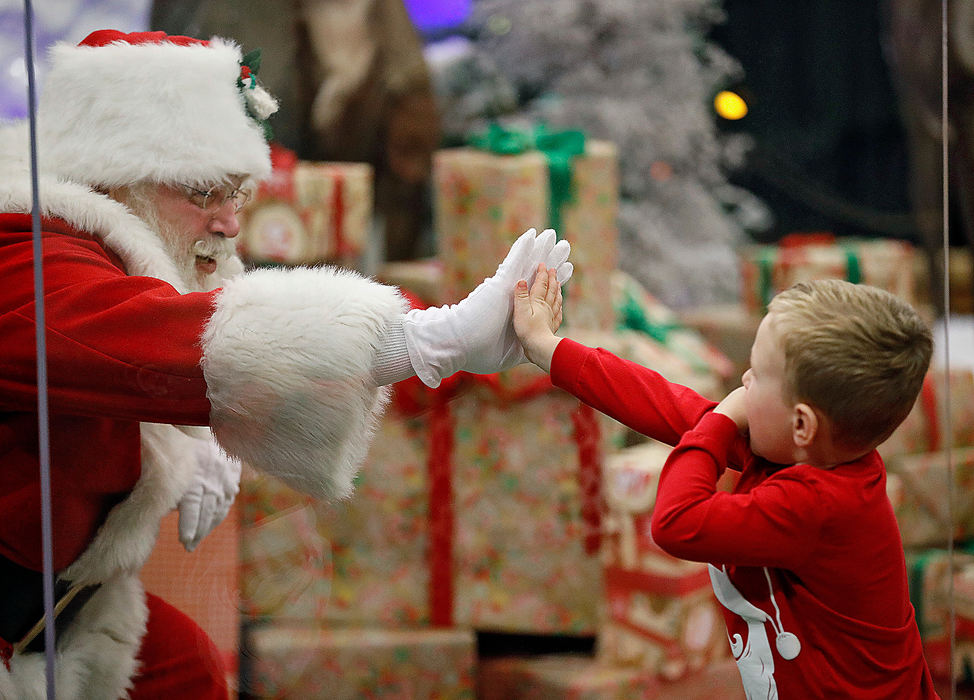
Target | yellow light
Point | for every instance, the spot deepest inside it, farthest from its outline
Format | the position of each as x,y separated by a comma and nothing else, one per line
730,105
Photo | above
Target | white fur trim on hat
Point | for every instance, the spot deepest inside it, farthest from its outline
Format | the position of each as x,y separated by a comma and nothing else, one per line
120,113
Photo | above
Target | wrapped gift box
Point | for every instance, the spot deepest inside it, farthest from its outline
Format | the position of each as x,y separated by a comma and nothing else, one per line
469,511
483,201
925,429
639,310
308,212
285,568
295,661
363,560
929,506
769,269
930,575
728,327
479,504
660,613
579,677
964,620
422,278
285,564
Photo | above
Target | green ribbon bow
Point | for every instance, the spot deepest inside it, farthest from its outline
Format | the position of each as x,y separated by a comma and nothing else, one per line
766,261
559,147
633,317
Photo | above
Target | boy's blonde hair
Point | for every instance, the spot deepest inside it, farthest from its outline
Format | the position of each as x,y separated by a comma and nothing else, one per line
857,353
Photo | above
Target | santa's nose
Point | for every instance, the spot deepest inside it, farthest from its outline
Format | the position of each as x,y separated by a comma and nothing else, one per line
224,221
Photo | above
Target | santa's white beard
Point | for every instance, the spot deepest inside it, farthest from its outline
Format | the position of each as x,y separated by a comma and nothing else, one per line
184,253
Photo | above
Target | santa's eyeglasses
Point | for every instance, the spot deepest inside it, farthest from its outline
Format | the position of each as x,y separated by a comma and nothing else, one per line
215,197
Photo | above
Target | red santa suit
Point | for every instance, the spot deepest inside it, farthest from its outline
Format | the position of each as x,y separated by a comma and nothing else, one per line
277,362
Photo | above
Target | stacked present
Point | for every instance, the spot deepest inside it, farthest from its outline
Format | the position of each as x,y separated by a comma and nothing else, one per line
769,269
308,213
699,362
485,196
478,508
926,428
931,504
660,612
930,462
660,632
480,504
298,661
930,482
284,562
934,573
579,677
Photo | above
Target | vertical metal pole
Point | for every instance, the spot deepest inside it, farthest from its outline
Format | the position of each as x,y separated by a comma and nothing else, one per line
948,447
40,324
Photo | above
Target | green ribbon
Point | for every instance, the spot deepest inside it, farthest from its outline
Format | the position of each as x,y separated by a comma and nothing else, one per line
853,273
559,147
768,255
631,316
916,566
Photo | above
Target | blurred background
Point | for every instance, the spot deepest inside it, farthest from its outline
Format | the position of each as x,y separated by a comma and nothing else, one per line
700,155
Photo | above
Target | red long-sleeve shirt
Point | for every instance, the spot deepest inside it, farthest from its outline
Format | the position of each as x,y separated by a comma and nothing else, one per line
804,551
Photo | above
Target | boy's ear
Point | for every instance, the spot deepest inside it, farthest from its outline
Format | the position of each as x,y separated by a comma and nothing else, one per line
804,425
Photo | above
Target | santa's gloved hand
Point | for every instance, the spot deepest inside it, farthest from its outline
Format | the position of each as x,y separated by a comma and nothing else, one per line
208,499
477,335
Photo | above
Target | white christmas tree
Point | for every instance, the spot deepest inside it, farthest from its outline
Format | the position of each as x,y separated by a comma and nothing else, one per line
642,74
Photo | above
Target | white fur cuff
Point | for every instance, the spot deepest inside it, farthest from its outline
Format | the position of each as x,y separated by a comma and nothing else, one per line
288,357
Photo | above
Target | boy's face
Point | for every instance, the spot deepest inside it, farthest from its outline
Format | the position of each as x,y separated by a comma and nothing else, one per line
769,417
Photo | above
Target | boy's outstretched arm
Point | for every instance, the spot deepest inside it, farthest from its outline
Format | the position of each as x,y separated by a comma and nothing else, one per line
537,315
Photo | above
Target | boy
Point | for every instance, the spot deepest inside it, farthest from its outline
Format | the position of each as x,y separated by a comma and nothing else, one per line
806,552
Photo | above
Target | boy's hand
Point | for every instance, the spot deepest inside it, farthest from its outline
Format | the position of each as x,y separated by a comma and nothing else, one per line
537,315
733,407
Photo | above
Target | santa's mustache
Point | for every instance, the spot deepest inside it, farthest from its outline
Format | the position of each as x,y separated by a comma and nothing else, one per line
215,248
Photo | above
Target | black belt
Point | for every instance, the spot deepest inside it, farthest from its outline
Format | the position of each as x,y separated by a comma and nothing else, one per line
22,604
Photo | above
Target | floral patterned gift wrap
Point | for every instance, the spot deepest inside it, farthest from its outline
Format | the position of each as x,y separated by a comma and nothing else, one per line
660,613
580,677
769,269
313,663
285,567
932,502
925,428
484,200
308,212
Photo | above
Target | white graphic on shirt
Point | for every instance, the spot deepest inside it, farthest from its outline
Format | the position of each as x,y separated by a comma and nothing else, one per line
754,658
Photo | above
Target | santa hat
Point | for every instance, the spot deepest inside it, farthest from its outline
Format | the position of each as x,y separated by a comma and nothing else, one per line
119,108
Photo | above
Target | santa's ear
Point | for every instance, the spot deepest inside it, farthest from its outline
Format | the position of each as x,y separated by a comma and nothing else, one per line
804,425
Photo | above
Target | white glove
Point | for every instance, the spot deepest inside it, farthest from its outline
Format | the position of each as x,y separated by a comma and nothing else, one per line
477,335
208,499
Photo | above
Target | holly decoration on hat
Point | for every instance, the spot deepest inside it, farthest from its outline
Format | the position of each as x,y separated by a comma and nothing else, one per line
259,103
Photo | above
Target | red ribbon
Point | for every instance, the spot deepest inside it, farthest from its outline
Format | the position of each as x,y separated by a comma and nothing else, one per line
412,397
6,652
799,240
342,246
588,438
280,184
441,516
928,401
625,582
